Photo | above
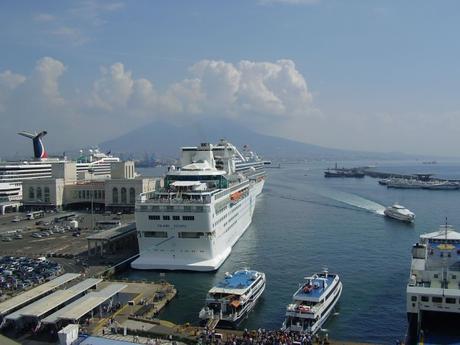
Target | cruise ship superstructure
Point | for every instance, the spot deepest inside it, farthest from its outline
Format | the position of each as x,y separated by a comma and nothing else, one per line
13,173
203,209
433,290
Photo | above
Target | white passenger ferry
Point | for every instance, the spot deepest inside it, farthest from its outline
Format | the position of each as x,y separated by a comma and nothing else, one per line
203,209
313,303
234,297
399,212
433,290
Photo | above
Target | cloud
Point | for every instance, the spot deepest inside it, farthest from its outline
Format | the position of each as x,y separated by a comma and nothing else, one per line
92,11
46,80
69,34
288,2
44,17
258,93
113,89
261,89
8,82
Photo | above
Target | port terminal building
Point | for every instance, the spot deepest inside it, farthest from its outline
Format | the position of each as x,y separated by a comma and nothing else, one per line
67,190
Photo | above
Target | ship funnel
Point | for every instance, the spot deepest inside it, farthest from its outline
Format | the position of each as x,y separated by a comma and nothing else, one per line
39,148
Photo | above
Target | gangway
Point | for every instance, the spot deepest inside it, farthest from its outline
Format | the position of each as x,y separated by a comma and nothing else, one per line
212,323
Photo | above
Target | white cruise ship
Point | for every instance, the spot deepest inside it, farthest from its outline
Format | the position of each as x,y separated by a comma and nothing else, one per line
233,298
433,290
13,173
203,209
313,303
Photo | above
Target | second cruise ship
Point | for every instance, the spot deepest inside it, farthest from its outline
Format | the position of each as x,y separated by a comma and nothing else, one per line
203,209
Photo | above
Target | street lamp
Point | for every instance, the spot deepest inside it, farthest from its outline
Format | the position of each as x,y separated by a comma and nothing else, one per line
91,172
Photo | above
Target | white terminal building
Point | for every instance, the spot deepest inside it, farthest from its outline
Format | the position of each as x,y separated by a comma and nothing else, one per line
68,188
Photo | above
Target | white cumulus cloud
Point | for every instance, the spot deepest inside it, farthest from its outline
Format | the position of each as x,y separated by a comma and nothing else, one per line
46,77
8,82
219,88
114,88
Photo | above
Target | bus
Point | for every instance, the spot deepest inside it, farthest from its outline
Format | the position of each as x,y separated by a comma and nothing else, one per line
107,224
64,217
35,215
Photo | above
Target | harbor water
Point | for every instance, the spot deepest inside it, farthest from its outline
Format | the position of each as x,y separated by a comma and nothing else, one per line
304,222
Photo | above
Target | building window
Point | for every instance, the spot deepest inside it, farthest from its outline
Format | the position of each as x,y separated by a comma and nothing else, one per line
39,194
435,276
79,194
47,194
451,300
424,298
436,299
115,195
88,196
188,217
176,217
157,234
132,195
103,194
190,234
165,217
414,298
31,193
123,195
154,217
454,276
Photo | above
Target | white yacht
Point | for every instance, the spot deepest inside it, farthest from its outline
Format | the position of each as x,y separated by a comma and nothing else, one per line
202,210
399,212
233,298
313,303
433,290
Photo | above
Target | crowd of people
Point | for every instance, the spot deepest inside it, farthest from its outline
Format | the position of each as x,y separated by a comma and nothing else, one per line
263,337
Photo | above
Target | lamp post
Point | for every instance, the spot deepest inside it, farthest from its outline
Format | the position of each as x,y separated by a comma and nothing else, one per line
91,171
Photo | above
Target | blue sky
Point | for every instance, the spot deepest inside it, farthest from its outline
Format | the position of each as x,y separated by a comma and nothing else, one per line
367,75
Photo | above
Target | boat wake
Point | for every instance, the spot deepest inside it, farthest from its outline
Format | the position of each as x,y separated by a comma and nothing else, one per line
354,200
350,201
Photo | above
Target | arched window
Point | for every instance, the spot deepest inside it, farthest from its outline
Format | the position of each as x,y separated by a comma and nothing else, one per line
123,195
31,193
47,194
115,195
132,195
39,194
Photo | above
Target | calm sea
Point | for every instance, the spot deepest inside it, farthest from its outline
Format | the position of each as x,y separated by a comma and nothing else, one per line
304,222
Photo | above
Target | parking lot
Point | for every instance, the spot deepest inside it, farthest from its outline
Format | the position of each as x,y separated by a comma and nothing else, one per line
44,236
21,273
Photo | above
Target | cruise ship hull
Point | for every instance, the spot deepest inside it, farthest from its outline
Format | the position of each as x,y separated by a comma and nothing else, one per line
174,253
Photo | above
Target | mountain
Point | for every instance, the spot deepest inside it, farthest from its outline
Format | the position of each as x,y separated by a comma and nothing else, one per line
164,140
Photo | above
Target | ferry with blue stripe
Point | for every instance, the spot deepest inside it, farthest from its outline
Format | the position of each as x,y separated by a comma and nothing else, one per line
313,303
233,298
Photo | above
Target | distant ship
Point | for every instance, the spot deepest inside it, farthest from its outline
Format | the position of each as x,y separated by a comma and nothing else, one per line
204,208
342,172
233,298
13,173
433,290
313,303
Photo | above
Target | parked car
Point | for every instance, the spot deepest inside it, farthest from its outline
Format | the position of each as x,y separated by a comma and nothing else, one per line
36,235
18,237
7,239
